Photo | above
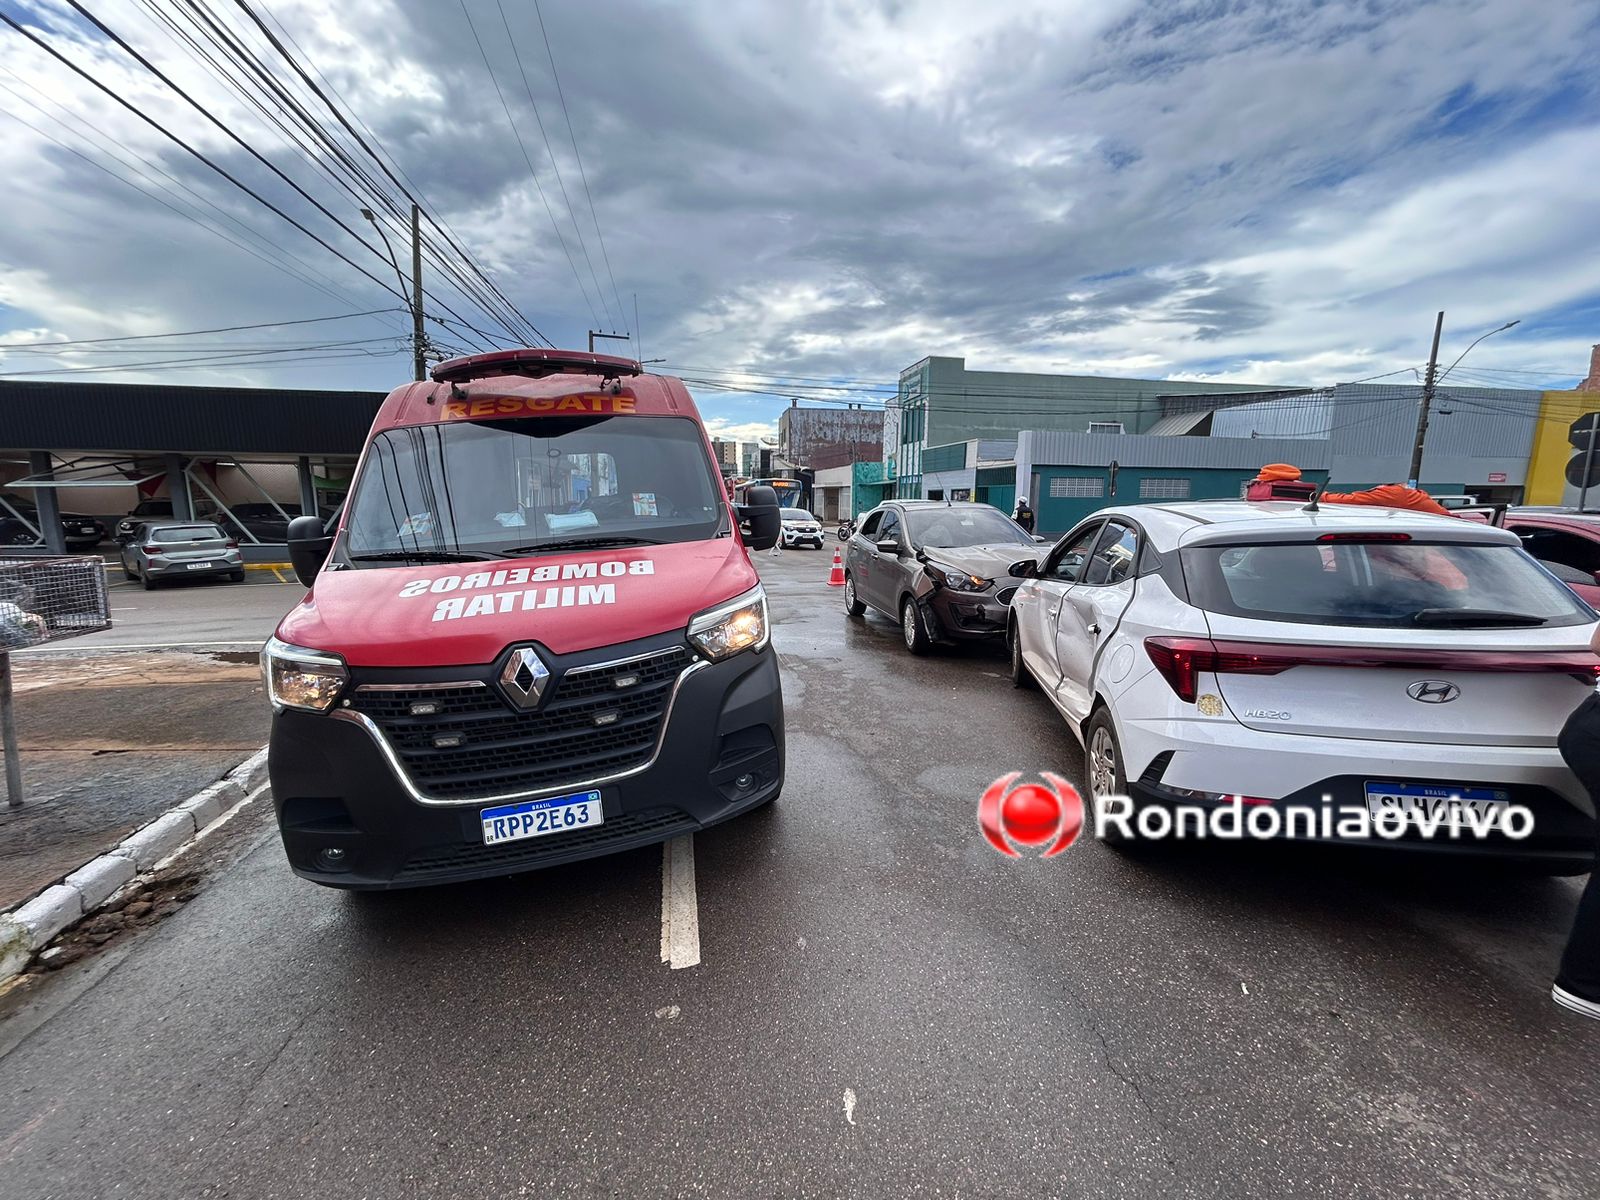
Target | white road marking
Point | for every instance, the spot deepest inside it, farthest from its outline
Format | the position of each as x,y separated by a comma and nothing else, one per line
680,912
850,1105
1242,988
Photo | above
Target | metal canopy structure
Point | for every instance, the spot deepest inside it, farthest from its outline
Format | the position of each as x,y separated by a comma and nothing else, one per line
98,435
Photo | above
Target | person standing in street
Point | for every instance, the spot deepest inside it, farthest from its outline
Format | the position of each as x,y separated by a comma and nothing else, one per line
1024,514
1577,985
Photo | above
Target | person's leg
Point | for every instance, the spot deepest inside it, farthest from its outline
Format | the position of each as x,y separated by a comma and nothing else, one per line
1580,964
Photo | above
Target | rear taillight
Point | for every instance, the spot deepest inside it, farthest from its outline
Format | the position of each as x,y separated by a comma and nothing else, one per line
1181,660
151,549
232,543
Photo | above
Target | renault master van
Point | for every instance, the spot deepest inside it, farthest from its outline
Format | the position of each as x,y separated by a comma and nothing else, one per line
535,636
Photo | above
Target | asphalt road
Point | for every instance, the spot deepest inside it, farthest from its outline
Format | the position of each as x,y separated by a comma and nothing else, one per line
883,1007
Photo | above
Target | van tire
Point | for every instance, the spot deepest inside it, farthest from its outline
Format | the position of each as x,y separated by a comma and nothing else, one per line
149,584
237,576
852,603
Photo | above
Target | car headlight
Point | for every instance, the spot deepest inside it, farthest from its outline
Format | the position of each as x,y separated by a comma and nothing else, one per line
740,624
300,678
957,581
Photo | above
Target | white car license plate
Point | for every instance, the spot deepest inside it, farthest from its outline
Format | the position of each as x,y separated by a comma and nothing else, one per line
1418,801
536,818
198,566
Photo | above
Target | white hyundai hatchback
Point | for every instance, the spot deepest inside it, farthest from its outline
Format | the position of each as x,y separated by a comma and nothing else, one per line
1378,658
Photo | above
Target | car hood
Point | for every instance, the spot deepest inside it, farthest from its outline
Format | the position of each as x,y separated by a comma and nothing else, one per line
991,562
463,614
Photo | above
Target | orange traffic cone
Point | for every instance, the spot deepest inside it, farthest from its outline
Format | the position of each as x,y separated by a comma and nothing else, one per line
836,573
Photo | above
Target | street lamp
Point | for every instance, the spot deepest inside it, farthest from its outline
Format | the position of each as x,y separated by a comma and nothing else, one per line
1475,341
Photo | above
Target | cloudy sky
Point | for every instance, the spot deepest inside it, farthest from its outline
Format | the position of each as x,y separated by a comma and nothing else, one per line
807,194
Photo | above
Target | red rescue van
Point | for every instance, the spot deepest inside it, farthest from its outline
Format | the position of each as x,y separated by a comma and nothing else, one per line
535,637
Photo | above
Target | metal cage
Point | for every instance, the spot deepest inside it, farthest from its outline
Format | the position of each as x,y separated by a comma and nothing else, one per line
47,599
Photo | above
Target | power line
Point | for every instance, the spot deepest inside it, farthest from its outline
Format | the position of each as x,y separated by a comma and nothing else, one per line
554,164
452,239
517,134
138,337
582,174
164,131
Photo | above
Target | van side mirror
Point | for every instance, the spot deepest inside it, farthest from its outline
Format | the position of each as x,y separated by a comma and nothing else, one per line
308,546
760,521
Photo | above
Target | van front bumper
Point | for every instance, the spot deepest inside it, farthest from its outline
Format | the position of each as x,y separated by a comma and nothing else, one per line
350,817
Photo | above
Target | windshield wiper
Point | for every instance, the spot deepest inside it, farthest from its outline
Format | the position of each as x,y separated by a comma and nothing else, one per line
1473,617
421,556
583,543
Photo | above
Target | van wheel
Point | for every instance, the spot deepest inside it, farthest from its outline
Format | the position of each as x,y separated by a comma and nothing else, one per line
149,584
852,603
237,576
911,629
1021,677
1103,766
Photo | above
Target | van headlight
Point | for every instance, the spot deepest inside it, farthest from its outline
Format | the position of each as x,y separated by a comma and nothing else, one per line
740,624
300,678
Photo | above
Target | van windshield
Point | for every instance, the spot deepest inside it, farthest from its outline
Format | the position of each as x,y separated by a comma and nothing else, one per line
518,486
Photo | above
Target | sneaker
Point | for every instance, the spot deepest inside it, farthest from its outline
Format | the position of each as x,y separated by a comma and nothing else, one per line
1577,1004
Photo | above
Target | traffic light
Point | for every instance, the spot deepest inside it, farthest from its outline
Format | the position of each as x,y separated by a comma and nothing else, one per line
1583,468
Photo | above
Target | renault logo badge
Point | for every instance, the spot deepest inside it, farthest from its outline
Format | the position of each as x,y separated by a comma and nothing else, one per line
523,678
1433,691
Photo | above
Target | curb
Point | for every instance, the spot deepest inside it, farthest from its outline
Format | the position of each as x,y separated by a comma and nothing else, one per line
31,926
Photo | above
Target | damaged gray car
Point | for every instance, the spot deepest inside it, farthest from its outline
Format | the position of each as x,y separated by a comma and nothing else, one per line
942,570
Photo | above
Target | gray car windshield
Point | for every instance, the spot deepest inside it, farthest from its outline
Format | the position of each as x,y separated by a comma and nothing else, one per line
519,486
951,527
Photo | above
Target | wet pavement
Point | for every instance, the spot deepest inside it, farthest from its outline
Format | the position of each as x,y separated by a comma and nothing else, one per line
110,740
883,1007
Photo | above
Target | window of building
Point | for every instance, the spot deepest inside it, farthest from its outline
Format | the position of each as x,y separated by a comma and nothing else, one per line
1163,489
1077,487
1106,427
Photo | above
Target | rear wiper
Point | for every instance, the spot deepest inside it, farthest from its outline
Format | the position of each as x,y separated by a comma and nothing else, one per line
583,543
421,556
1473,617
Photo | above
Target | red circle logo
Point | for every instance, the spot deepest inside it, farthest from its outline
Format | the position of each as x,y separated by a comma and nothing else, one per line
1031,815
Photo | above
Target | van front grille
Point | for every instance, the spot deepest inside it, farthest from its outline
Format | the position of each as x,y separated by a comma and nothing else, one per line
597,721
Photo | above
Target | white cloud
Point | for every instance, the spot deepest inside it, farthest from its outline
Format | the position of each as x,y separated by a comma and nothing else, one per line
1278,190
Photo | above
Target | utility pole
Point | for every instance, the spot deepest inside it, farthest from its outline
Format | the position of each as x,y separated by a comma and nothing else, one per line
1415,475
419,337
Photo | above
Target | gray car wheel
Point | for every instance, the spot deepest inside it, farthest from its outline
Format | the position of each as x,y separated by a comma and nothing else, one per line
852,603
911,630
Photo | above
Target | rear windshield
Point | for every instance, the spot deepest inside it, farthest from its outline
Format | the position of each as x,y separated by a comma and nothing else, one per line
797,514
519,486
185,533
1407,584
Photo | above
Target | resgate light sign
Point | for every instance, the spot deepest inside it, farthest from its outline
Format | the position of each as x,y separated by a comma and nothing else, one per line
487,408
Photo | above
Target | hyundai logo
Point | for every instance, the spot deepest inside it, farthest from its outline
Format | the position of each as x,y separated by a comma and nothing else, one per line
523,678
1433,691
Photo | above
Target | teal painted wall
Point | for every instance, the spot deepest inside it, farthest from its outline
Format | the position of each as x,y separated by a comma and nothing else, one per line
1058,514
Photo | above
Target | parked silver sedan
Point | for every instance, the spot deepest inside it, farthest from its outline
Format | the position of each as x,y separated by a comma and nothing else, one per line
180,550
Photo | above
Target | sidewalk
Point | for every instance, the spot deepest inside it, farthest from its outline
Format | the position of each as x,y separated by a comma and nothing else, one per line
110,741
